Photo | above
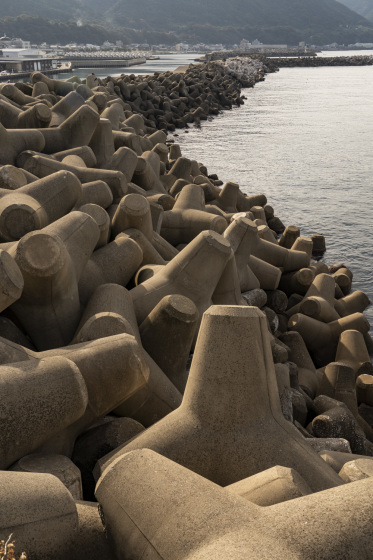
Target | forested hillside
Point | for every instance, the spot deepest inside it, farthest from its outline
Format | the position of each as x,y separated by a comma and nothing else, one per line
210,21
362,7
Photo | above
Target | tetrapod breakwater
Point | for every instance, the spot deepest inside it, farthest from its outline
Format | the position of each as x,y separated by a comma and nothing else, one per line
180,375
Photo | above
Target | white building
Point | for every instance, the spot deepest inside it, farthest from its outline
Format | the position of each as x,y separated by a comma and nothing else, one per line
245,44
15,53
182,47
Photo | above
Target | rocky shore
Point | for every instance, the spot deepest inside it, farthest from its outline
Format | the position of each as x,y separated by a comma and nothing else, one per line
181,376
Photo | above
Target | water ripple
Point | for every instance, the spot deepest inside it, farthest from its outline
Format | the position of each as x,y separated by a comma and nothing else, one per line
304,137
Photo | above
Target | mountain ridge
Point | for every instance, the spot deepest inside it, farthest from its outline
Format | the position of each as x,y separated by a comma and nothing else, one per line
270,21
362,7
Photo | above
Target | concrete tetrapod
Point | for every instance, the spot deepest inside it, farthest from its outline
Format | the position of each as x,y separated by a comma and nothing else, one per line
150,253
66,107
364,389
289,237
167,334
227,199
107,434
36,205
147,172
11,332
322,338
85,153
13,142
303,244
11,281
318,301
14,94
96,192
268,275
11,177
356,302
265,233
110,311
308,377
271,486
188,218
91,541
133,211
101,218
230,425
51,261
102,144
343,278
76,130
59,465
353,352
51,393
42,166
357,469
338,382
114,370
194,273
60,87
40,513
297,282
36,116
227,290
242,234
104,314
115,263
335,420
156,509
279,256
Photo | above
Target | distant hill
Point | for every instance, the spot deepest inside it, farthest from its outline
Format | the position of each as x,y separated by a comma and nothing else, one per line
362,7
285,21
207,21
39,30
300,14
49,9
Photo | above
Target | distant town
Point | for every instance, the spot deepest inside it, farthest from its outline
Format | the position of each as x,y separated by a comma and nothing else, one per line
20,56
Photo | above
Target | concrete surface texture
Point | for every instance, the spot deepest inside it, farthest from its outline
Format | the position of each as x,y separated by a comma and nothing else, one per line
144,304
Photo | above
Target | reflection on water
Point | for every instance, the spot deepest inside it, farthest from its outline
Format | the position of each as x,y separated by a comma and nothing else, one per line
165,62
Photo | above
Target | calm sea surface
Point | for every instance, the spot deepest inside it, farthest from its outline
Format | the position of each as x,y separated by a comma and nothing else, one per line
304,137
165,62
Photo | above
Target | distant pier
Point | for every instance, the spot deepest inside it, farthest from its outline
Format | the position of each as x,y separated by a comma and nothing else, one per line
361,60
15,76
100,62
268,52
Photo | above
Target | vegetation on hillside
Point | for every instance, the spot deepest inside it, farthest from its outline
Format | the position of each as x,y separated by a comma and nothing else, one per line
170,21
362,7
39,30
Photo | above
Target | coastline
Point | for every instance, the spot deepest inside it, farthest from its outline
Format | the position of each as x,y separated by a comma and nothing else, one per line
300,138
194,243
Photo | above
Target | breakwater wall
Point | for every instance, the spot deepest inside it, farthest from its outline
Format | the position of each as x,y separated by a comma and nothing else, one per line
101,62
169,347
323,61
175,99
253,52
20,75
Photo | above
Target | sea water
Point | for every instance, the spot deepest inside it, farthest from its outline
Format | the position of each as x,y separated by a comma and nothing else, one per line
304,137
